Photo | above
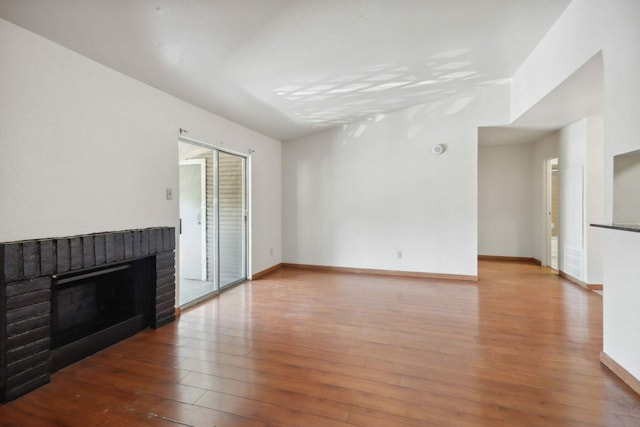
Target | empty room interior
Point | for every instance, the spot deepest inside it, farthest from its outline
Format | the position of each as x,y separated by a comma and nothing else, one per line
320,213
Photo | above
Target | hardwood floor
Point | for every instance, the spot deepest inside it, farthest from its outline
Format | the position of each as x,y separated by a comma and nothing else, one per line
302,348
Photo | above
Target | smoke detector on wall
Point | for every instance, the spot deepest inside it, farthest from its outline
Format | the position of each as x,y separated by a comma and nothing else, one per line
437,149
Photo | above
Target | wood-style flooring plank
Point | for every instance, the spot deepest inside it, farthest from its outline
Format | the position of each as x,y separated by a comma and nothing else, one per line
306,348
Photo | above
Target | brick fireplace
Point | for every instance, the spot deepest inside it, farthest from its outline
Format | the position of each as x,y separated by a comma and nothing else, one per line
36,283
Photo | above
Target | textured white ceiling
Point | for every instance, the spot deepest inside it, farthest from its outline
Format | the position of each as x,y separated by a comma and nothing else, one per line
289,67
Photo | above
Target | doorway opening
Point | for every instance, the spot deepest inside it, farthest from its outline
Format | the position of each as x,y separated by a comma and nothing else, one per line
551,213
213,220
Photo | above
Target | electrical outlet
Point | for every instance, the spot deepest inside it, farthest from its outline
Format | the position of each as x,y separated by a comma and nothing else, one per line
169,193
271,251
399,254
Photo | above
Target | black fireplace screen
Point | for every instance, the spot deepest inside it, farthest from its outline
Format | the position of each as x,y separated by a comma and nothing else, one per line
87,303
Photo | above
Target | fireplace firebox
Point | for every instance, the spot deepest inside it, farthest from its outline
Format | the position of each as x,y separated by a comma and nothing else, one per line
65,298
92,309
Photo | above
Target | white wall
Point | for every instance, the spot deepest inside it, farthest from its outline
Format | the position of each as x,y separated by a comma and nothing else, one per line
594,203
585,28
622,299
571,190
581,200
505,202
626,198
86,149
355,196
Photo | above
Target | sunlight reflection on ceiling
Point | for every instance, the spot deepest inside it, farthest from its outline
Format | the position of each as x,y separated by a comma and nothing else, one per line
328,100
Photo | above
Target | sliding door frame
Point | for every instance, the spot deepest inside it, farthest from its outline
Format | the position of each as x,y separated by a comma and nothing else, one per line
247,211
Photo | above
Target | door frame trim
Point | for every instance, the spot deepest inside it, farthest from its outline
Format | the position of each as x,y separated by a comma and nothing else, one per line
247,195
213,147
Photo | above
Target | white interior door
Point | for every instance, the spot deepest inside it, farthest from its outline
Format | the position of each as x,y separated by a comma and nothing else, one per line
193,264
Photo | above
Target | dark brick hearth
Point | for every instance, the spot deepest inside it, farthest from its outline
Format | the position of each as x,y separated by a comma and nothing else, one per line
26,270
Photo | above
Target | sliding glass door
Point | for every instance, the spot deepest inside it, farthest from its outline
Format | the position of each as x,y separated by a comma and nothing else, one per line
232,218
213,218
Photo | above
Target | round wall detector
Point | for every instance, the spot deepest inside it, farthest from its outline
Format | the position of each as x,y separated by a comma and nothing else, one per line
437,149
